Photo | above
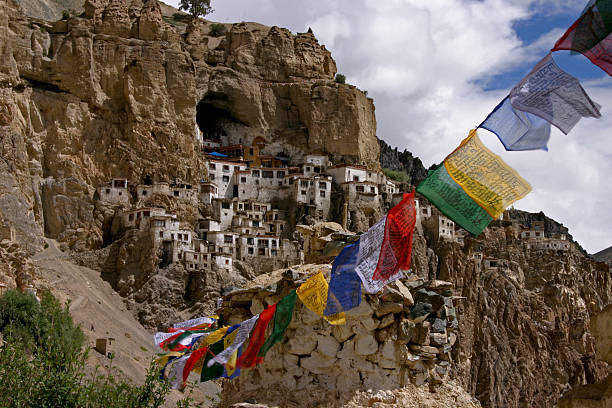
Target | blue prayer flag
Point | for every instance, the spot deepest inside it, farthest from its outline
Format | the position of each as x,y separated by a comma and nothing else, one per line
517,130
345,285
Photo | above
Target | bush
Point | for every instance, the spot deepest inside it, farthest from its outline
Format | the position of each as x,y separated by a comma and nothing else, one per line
340,79
50,370
65,14
397,175
217,29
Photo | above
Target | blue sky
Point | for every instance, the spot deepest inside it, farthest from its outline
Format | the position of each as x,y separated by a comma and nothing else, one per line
436,68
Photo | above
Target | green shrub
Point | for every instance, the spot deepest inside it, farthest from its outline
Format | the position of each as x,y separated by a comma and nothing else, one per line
43,362
341,79
65,14
217,29
397,175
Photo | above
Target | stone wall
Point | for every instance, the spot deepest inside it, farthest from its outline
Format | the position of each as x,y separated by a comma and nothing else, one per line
386,343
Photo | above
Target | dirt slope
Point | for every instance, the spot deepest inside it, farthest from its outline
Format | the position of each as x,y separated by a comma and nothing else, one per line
100,312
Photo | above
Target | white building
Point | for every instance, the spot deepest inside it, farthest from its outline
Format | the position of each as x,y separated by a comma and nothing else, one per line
348,172
221,173
115,192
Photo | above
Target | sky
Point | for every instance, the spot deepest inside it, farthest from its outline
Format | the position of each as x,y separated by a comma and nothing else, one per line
436,68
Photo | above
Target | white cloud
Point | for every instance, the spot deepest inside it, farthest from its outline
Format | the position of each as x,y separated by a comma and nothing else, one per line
424,63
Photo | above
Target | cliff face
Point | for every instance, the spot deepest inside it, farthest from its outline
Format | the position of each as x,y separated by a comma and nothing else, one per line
524,326
393,159
116,93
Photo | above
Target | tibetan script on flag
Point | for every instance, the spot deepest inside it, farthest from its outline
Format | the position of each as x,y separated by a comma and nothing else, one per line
484,176
517,130
452,201
313,293
553,94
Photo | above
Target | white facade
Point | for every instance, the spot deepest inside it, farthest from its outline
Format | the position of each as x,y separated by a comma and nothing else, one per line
144,191
221,173
345,173
139,217
115,192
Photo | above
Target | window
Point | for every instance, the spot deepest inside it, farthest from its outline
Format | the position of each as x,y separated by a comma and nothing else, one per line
274,252
211,176
226,168
255,173
322,185
355,178
108,191
161,234
144,192
317,169
372,189
243,179
359,189
226,179
227,261
303,192
267,174
225,205
250,241
280,174
255,223
308,168
303,183
248,232
251,151
205,257
176,193
322,193
228,239
250,251
274,244
282,227
131,217
147,213
212,166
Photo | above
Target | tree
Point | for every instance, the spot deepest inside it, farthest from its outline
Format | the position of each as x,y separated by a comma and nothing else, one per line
197,8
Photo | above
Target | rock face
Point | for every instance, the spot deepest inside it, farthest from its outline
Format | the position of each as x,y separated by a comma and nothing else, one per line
604,255
119,91
525,327
402,161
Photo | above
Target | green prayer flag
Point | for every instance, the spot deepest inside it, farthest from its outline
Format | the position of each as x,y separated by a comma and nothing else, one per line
453,201
216,370
282,319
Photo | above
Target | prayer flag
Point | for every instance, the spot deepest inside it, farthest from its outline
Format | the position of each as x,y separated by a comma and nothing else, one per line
216,370
397,243
242,334
282,319
591,36
452,201
517,130
484,176
175,375
313,294
553,94
370,247
196,322
249,358
345,285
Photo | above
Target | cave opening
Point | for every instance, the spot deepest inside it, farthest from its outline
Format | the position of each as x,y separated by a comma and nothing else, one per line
211,116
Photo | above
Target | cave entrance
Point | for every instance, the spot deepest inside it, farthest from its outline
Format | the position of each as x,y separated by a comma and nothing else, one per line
213,116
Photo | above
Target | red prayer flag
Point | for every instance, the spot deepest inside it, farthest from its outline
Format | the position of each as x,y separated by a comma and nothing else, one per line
397,243
591,35
249,357
195,356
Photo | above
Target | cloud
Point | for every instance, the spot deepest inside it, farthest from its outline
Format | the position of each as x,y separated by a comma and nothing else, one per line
431,67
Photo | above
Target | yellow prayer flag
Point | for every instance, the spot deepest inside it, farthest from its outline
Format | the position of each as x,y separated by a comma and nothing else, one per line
484,176
230,366
163,360
313,293
214,337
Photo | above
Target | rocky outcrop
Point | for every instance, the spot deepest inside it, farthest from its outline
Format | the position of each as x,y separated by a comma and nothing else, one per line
597,395
604,255
118,92
388,342
392,159
524,327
